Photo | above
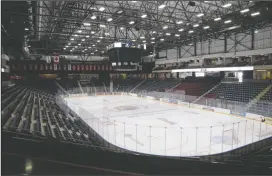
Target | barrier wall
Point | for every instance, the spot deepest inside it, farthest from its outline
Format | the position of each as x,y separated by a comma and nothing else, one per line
217,139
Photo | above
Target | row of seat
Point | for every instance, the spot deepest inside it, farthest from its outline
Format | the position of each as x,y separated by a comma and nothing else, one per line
33,112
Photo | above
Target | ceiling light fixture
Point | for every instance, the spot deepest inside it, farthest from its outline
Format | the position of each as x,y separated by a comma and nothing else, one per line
217,19
142,37
79,44
200,15
93,45
92,32
93,17
26,29
152,38
79,31
87,24
101,9
107,33
152,42
256,32
109,20
87,36
100,37
143,16
119,11
161,39
177,35
69,43
167,34
165,27
228,21
75,35
161,6
121,28
191,31
179,22
102,25
83,40
195,25
180,30
227,5
206,27
244,11
255,14
72,39
131,22
133,40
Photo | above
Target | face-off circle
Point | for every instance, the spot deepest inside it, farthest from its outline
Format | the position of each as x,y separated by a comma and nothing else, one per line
126,108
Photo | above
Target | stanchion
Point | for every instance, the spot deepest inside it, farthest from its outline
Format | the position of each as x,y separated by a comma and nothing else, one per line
210,140
114,132
260,130
253,131
238,134
150,139
180,141
245,132
196,139
222,139
124,134
165,140
136,126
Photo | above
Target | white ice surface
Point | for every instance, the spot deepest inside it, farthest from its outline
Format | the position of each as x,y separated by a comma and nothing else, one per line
165,129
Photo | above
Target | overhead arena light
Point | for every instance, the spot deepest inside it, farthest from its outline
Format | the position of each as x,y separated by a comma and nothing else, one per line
177,35
63,48
122,28
195,25
119,11
191,31
179,22
75,35
133,40
133,1
142,37
233,27
154,32
217,19
66,46
227,5
256,32
244,11
180,30
255,14
200,15
167,34
107,33
165,27
144,41
89,47
206,27
72,39
87,36
152,42
93,45
71,50
79,31
101,9
69,43
109,19
228,21
83,40
144,16
76,46
92,53
92,32
102,25
161,39
98,41
131,22
152,38
161,6
87,24
79,44
93,17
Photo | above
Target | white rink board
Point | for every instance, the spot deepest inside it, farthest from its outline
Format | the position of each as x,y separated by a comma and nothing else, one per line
158,128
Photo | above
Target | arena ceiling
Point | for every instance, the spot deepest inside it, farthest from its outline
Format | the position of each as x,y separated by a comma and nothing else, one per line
88,27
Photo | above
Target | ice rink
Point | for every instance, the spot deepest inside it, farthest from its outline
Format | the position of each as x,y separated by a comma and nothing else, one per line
158,128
